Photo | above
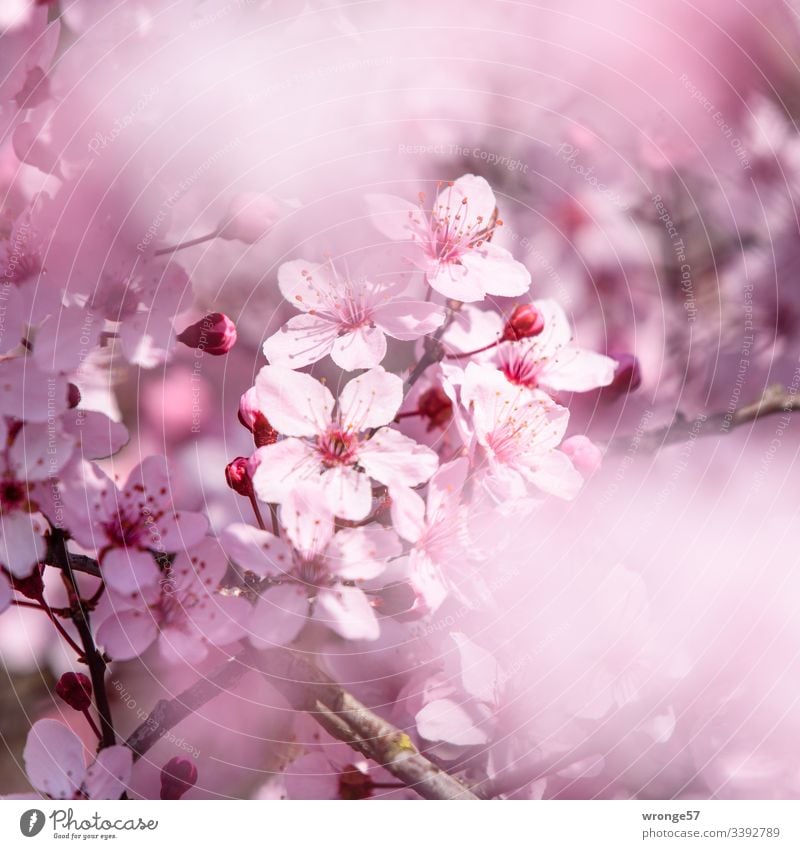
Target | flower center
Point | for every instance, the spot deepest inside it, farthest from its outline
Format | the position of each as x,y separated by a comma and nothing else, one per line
338,447
13,495
521,367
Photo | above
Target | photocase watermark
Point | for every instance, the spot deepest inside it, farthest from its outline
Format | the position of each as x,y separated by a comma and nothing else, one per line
103,139
727,130
681,261
490,157
65,825
571,156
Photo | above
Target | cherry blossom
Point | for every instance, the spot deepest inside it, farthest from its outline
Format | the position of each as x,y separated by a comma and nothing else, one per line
128,526
183,613
55,761
348,318
516,438
313,574
454,240
341,450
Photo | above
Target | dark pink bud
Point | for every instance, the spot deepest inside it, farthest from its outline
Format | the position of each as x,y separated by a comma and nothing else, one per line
251,417
215,334
73,396
237,474
250,217
178,776
627,377
525,321
435,406
75,689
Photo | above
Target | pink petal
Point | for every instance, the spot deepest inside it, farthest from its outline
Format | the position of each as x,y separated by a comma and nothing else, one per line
394,216
64,339
452,280
281,466
146,338
480,200
256,550
180,530
371,399
408,512
97,436
480,672
574,370
444,488
21,542
39,451
446,721
307,519
347,611
295,403
279,616
495,271
54,759
347,493
407,320
554,474
127,570
28,393
14,320
360,554
363,347
108,776
306,285
392,458
127,634
303,340
6,593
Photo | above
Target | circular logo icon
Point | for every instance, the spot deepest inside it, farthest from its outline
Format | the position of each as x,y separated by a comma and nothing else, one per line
31,822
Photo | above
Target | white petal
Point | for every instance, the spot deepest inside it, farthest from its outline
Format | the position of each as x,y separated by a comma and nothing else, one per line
305,285
127,634
108,776
278,616
129,571
21,542
295,403
408,512
347,493
554,474
360,554
408,320
496,272
307,519
393,216
575,370
256,550
446,721
347,611
480,672
281,466
363,347
392,458
303,340
370,400
54,759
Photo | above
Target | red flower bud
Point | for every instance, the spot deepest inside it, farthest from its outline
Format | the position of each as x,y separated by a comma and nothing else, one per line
251,417
178,776
215,334
627,377
75,689
237,474
73,396
525,321
435,406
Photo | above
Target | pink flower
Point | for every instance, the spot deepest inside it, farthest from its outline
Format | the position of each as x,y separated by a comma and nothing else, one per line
340,452
315,574
550,361
348,319
516,435
128,526
183,614
437,529
55,761
454,239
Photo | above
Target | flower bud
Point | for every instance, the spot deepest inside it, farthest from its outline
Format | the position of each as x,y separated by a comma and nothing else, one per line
237,474
525,321
73,396
215,334
178,776
585,455
250,217
627,377
251,417
435,406
75,689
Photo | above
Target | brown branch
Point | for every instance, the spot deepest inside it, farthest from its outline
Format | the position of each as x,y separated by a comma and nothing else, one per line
308,689
776,399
